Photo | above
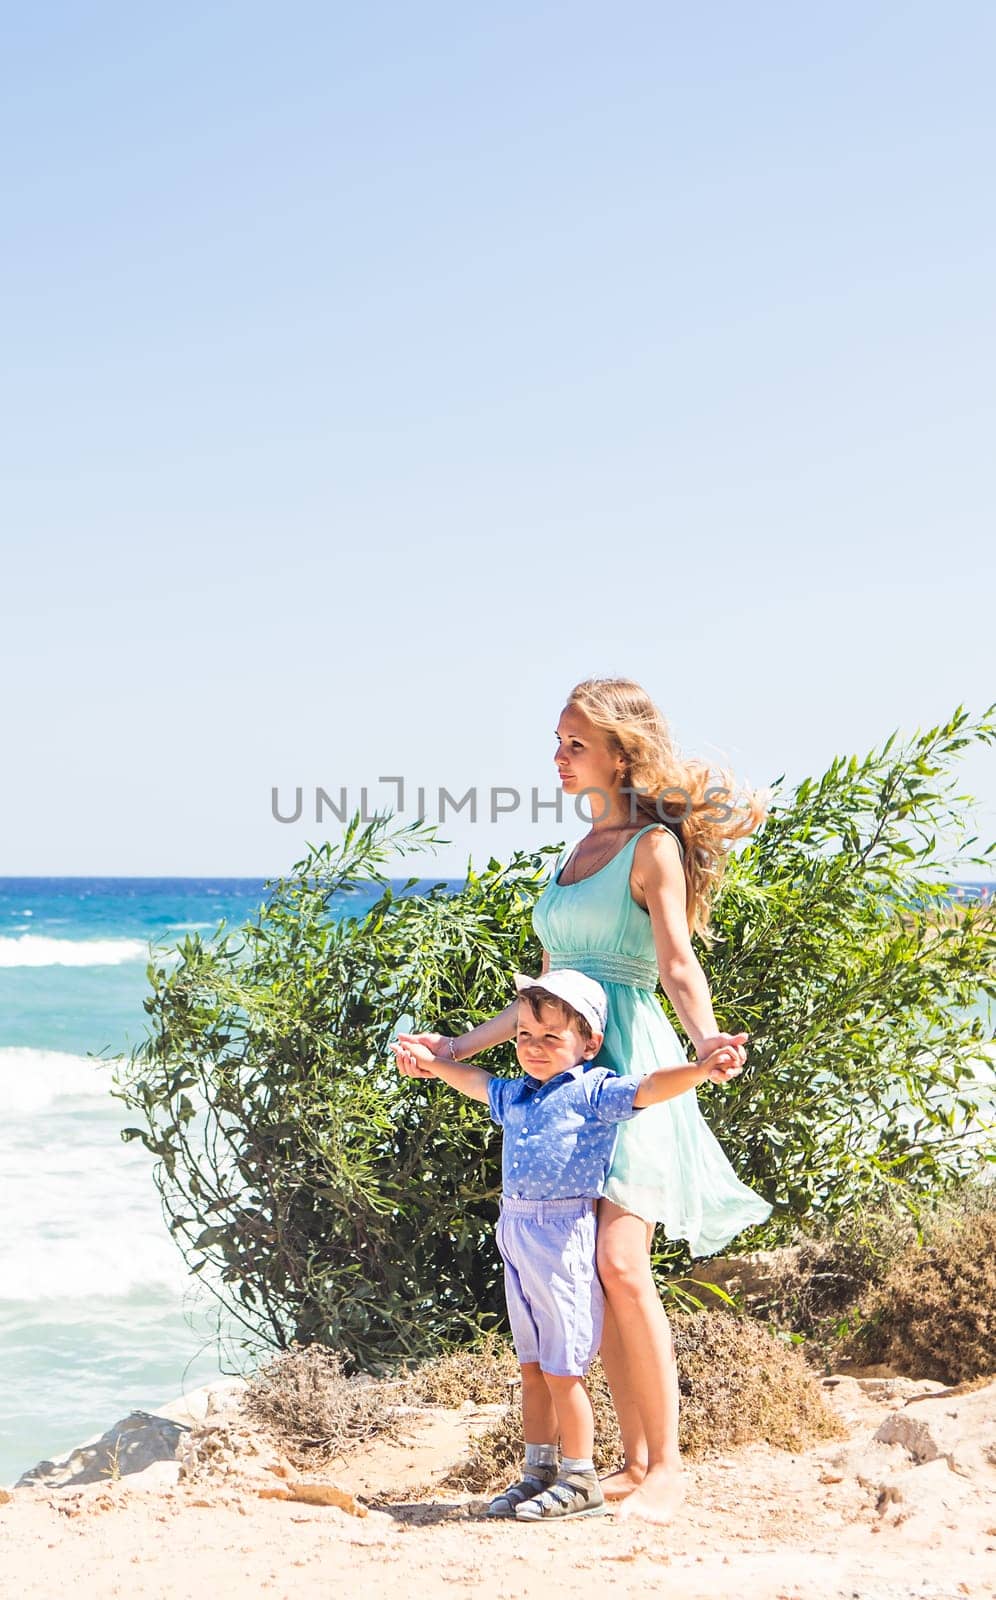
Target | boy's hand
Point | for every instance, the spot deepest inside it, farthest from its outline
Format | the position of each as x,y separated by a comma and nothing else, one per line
414,1058
716,1041
721,1065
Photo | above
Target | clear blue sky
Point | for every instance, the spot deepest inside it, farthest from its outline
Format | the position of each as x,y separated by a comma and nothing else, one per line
373,373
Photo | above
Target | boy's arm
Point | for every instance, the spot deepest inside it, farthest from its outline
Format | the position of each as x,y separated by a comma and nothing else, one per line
667,1082
472,1081
497,1030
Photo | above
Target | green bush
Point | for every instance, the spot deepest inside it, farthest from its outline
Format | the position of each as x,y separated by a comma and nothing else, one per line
337,1202
837,953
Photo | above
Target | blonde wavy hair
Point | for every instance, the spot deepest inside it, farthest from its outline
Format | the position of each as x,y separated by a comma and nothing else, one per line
638,731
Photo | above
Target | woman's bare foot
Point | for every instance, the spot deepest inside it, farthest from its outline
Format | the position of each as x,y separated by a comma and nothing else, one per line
657,1498
623,1482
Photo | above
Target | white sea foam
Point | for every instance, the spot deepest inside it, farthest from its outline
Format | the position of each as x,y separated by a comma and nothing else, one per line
34,1080
35,950
114,1263
93,1230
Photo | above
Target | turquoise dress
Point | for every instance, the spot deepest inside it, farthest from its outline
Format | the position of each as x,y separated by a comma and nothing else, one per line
668,1165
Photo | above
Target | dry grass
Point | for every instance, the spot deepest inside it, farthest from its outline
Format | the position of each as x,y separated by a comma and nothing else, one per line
497,1454
481,1373
869,1290
816,1284
934,1313
738,1383
739,1380
311,1410
495,1457
826,1285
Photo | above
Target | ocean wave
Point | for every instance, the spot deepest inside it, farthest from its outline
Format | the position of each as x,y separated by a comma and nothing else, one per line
33,1080
34,950
64,1278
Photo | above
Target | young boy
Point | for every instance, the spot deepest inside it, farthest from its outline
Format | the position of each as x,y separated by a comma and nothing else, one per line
559,1121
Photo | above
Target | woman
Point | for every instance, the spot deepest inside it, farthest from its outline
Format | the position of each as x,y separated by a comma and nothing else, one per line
621,907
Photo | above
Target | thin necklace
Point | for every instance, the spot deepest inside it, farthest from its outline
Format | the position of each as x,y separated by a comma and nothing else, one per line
603,860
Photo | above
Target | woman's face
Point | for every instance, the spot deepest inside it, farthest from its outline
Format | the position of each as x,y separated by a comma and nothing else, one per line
585,760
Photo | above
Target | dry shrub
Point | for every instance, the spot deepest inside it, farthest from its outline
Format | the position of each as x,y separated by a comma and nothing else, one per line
307,1405
497,1454
824,1282
608,1440
934,1314
821,1277
480,1372
815,1284
738,1383
494,1456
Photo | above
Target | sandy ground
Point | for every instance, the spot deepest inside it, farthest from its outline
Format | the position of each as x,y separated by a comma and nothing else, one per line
856,1518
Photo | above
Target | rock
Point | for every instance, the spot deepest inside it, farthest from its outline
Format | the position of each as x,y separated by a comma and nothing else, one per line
229,1448
913,1434
211,1400
752,1275
960,1429
156,1477
930,1465
129,1446
931,1493
872,1462
87,1498
316,1494
5,1497
844,1391
897,1388
204,1423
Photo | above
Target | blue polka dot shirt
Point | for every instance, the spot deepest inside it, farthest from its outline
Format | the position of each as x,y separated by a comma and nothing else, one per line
559,1135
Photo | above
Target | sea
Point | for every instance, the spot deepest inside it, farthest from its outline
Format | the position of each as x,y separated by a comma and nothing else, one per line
98,1316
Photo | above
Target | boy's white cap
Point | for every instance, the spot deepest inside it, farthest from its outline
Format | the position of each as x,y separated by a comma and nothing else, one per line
581,992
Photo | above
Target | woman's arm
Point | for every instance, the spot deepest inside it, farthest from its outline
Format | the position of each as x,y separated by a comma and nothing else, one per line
496,1030
659,873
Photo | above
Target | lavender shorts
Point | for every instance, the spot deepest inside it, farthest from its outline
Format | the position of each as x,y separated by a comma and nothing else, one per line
555,1300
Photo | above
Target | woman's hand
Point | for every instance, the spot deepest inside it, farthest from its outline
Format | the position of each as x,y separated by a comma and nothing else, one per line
718,1041
414,1056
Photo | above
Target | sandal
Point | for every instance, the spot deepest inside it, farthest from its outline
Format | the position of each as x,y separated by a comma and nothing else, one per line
527,1488
568,1497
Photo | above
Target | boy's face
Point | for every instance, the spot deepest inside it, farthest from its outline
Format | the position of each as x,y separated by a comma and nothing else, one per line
547,1044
